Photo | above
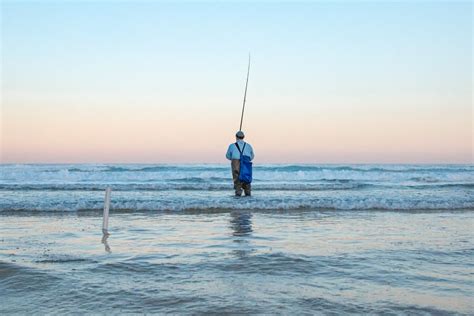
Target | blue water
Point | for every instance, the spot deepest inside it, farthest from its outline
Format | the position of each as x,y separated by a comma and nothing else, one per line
295,262
313,239
203,187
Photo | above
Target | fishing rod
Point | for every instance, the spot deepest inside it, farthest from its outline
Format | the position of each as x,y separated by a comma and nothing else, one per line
245,96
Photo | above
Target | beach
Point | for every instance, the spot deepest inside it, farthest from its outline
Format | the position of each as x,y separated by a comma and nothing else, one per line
382,240
289,262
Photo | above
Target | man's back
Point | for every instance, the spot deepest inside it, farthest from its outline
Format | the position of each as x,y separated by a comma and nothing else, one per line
234,153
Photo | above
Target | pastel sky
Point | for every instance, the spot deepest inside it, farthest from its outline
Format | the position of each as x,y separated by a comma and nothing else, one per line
162,82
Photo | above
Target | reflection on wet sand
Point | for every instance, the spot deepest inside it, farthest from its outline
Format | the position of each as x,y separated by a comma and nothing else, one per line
241,225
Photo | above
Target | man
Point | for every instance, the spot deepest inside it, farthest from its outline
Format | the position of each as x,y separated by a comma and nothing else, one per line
233,154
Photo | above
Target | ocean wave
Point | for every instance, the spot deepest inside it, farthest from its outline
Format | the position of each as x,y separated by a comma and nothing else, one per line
243,203
434,185
202,187
427,179
290,168
64,259
159,168
259,167
191,174
222,186
368,168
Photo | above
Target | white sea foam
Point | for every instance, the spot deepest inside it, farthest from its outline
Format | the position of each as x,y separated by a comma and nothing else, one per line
182,187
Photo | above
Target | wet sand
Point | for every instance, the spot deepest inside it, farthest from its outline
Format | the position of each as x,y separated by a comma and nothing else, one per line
289,262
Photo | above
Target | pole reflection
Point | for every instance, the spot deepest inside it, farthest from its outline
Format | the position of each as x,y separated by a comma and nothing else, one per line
105,236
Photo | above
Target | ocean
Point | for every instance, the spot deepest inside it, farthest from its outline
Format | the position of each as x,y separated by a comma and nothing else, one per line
209,187
312,239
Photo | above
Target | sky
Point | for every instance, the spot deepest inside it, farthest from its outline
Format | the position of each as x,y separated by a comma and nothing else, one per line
163,82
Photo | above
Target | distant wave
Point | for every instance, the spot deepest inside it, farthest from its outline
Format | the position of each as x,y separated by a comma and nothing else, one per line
280,168
367,168
442,185
143,169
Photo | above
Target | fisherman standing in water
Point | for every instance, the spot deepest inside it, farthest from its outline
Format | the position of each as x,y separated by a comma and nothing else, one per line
239,153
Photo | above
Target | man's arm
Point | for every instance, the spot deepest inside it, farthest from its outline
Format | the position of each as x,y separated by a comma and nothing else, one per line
252,155
228,155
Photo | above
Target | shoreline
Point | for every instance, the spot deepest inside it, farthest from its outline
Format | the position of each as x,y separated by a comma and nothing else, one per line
99,212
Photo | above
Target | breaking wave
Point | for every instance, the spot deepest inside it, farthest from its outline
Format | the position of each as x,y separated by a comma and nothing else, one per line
209,187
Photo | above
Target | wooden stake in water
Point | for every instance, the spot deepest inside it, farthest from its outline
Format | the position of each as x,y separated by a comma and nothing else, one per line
105,219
